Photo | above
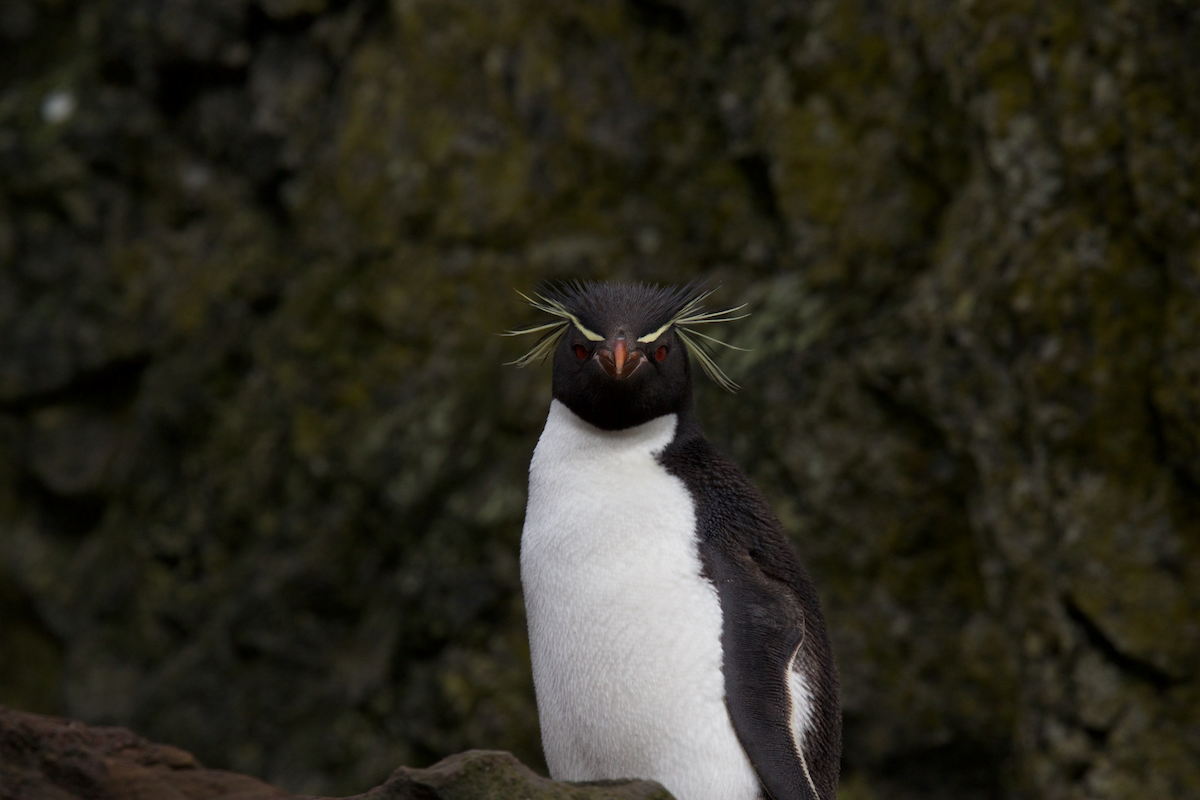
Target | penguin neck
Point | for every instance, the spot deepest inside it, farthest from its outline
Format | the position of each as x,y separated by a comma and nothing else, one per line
654,434
620,405
688,426
678,426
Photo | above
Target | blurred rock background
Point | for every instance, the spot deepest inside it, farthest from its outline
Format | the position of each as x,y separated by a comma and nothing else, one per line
262,473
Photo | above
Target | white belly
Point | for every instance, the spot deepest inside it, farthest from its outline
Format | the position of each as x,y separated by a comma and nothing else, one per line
624,632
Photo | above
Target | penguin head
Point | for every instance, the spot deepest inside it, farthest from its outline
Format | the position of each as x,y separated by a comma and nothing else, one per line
622,352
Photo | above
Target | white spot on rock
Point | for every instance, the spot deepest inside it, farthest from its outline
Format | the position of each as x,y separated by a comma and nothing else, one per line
58,106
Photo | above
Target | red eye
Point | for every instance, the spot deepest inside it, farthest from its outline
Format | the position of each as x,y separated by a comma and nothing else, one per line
660,353
580,352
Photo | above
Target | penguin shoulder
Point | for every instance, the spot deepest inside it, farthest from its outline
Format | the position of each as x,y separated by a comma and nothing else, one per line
733,515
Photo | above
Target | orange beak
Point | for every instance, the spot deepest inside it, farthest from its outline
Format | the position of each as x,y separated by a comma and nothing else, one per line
619,362
620,352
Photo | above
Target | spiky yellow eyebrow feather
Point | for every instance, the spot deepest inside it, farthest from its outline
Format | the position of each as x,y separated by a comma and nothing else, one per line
697,343
691,314
551,306
551,331
650,337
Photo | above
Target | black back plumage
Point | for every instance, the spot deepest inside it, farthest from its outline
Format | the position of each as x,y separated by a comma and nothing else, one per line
770,608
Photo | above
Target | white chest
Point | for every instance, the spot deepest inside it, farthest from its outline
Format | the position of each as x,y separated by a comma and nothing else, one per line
624,632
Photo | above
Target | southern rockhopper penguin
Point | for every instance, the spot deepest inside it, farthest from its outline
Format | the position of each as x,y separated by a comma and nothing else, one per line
674,633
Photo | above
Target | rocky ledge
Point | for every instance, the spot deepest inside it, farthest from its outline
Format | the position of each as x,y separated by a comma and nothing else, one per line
48,758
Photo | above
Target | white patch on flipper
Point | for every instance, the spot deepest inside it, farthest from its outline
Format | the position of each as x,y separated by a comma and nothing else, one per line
624,632
801,698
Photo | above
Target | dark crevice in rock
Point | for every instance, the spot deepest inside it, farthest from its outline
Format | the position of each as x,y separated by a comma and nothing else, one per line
963,770
117,72
1130,665
71,517
1160,442
269,193
661,16
757,172
31,655
1097,736
265,304
940,158
1146,239
181,82
110,386
940,178
297,20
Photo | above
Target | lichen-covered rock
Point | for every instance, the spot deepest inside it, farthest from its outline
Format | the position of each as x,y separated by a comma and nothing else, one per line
46,758
262,472
498,775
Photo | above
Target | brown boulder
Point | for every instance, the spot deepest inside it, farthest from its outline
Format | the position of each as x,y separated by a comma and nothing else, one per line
50,758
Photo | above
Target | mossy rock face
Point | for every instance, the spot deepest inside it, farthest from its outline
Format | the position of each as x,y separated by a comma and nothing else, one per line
262,472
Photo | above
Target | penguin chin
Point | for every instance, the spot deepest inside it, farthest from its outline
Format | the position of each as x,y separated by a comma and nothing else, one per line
617,404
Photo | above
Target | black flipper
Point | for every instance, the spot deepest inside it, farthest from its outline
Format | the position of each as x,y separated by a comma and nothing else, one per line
772,622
